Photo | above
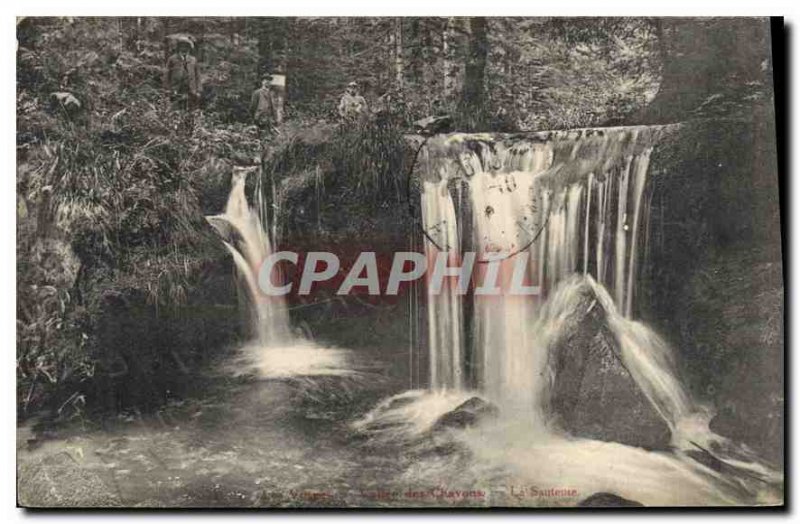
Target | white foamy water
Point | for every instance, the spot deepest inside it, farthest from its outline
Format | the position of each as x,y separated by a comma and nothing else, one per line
409,415
299,358
533,457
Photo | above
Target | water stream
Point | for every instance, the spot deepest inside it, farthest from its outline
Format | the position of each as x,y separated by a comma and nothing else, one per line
573,205
562,215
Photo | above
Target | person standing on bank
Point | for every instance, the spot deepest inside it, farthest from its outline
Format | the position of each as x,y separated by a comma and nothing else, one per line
182,77
263,107
352,106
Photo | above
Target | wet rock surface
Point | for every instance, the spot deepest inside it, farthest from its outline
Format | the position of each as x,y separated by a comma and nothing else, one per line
608,500
467,414
594,396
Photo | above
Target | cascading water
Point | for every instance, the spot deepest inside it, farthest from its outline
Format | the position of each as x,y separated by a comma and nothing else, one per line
243,234
276,352
504,228
444,309
530,198
569,203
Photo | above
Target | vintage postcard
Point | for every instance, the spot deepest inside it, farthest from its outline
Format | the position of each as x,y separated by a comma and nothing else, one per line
398,262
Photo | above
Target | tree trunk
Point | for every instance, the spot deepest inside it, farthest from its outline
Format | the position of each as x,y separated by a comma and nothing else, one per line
475,70
704,64
167,28
266,34
449,77
398,53
415,38
428,53
280,66
273,53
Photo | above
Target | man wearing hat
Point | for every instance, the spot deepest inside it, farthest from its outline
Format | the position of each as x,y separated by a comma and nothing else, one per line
263,106
182,78
352,106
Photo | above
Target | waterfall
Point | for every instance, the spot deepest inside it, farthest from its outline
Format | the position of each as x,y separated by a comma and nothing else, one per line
571,205
276,352
245,237
500,203
550,199
603,192
444,309
563,240
642,165
621,236
587,221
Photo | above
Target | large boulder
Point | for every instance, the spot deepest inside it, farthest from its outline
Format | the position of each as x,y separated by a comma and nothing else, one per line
607,500
422,418
593,394
468,413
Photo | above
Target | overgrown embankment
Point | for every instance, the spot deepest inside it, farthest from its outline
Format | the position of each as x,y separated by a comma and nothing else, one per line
122,290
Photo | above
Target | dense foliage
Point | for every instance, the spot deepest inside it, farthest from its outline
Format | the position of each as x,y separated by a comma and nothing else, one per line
111,192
